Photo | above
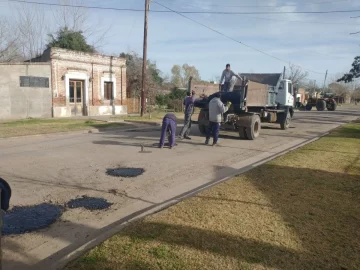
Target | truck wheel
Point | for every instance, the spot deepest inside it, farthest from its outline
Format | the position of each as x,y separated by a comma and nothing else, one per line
285,122
242,133
308,107
321,105
332,106
253,131
203,129
203,121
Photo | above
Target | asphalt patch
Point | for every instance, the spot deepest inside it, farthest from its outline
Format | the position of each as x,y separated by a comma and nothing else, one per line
24,219
90,203
125,172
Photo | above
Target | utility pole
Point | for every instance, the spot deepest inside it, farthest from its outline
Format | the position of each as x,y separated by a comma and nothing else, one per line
143,90
325,80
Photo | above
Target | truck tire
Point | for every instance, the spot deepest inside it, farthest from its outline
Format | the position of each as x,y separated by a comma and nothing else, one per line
321,105
242,133
332,106
308,107
203,121
253,131
285,121
203,129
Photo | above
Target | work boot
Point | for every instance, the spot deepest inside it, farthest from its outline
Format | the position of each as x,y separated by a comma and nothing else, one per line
187,137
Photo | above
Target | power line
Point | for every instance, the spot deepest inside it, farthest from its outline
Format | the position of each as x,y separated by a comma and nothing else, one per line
189,12
308,22
276,6
237,41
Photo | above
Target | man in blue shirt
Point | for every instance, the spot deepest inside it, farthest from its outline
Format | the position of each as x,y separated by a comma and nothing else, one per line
168,128
189,109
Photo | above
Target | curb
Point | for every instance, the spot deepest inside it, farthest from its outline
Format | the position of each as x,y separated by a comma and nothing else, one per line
127,220
143,122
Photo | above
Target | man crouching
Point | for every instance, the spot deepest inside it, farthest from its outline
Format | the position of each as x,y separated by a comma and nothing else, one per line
168,128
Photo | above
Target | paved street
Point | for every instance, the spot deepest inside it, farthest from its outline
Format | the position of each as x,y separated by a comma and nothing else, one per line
58,168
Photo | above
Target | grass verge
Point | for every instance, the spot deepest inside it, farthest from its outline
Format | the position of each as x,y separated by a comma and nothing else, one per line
45,126
299,211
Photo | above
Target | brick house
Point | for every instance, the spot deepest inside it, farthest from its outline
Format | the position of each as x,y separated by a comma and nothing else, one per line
85,84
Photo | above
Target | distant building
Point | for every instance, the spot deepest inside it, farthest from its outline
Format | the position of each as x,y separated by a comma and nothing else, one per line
64,83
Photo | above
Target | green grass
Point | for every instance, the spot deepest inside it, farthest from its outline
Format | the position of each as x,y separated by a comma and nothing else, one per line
45,126
299,211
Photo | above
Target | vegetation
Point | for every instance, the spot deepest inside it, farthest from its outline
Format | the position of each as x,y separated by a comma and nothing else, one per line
71,40
353,73
46,126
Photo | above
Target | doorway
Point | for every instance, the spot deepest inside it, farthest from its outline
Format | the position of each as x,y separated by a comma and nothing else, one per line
77,98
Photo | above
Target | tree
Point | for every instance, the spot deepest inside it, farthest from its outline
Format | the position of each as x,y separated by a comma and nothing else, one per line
353,73
9,50
30,27
71,40
134,76
297,75
181,75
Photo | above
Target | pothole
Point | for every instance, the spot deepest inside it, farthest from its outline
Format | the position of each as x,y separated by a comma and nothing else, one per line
25,219
125,172
90,203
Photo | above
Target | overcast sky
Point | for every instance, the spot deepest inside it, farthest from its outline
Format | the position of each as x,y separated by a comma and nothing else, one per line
316,42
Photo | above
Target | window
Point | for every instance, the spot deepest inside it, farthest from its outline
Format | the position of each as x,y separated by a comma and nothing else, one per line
289,88
72,92
108,91
75,91
32,81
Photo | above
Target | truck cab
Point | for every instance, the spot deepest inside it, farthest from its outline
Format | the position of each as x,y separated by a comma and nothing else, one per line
285,96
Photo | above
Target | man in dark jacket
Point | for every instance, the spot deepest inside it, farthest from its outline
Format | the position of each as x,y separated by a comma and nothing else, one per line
189,109
168,128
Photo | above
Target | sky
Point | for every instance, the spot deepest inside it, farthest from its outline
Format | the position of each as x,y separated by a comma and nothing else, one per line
316,42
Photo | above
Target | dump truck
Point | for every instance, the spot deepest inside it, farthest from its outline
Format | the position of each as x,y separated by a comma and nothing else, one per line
258,98
321,101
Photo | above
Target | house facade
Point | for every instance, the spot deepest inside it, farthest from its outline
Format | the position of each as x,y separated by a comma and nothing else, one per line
84,84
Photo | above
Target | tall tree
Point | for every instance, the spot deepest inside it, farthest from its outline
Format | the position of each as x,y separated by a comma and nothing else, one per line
69,39
180,75
353,73
297,75
9,50
134,76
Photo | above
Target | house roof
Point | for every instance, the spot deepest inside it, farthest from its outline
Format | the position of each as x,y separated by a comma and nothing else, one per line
263,78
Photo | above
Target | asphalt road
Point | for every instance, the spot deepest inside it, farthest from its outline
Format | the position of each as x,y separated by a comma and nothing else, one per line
59,168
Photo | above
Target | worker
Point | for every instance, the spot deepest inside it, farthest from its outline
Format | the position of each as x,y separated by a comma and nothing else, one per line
216,111
168,128
189,110
227,74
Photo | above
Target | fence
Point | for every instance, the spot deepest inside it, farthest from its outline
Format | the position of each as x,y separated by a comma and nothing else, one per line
133,105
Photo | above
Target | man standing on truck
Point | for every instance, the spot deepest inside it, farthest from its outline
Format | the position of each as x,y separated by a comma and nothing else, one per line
189,109
216,111
227,74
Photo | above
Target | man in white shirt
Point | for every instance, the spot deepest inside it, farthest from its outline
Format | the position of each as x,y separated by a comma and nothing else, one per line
216,111
227,74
